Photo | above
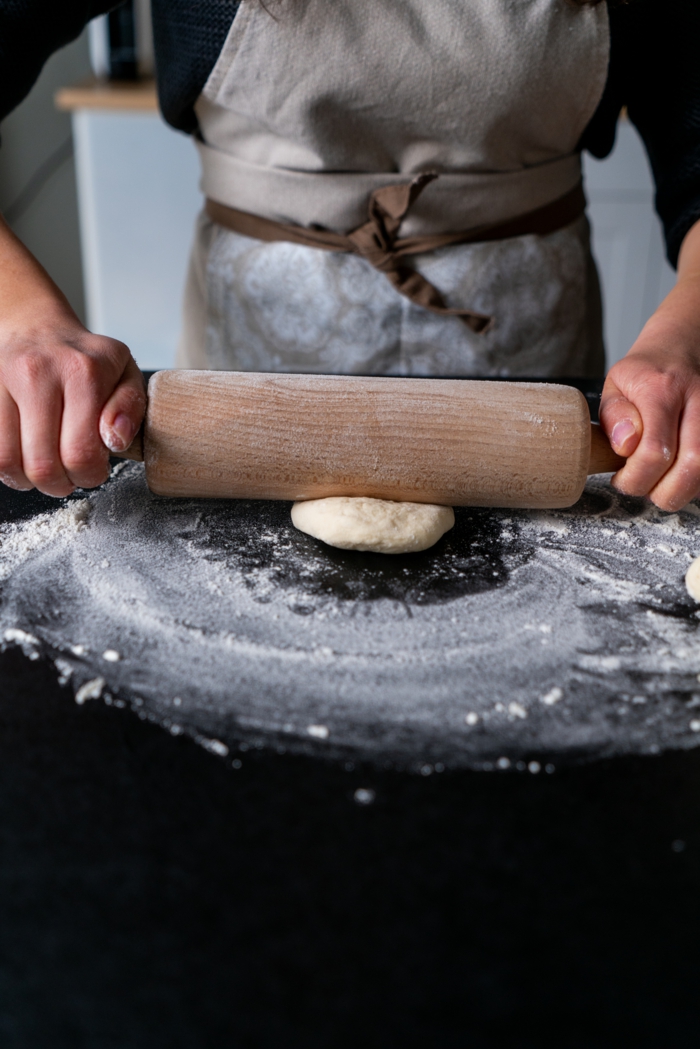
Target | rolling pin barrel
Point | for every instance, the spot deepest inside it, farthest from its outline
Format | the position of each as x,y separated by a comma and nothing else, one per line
270,436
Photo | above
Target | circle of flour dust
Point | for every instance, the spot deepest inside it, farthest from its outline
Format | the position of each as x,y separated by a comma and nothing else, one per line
562,634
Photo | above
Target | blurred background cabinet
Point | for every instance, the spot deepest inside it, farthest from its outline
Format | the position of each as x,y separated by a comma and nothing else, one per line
138,197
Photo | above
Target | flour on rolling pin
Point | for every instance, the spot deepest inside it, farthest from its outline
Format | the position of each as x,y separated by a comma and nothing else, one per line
524,637
449,442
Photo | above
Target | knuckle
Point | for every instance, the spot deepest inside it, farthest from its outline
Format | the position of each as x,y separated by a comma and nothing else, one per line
104,351
81,465
617,379
132,400
655,454
664,388
91,480
609,405
690,460
44,472
84,371
84,462
120,350
653,464
9,464
31,369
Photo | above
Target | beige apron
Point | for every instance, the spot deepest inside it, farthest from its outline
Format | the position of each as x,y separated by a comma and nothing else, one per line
314,105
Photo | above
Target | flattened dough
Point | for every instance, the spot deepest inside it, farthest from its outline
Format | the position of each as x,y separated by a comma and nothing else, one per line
692,579
379,525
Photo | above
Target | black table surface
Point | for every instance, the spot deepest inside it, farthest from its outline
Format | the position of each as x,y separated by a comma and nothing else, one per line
151,896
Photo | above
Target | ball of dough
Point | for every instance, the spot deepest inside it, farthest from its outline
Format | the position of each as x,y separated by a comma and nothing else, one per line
379,525
692,579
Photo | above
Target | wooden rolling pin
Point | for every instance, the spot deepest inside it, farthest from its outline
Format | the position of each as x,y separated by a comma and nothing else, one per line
246,435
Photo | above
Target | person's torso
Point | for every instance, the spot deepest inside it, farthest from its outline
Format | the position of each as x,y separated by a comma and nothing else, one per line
314,104
467,88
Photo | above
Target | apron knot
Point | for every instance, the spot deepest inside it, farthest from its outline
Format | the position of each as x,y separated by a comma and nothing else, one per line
388,207
377,242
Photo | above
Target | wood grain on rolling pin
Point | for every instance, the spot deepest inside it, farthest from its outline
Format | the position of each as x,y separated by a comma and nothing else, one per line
271,436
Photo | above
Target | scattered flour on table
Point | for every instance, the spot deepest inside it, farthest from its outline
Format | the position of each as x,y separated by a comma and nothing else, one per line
17,542
520,636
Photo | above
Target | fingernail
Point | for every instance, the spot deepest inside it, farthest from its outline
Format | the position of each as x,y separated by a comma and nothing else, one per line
119,435
621,433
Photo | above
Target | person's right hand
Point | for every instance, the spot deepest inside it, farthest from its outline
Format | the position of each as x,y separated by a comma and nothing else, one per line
67,397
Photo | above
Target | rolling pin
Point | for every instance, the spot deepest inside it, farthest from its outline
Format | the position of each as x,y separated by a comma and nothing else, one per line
247,435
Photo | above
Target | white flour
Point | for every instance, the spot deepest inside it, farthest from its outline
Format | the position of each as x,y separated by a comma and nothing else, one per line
554,635
18,542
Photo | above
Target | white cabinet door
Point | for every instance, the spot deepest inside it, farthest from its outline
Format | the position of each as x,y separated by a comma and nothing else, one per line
138,189
627,240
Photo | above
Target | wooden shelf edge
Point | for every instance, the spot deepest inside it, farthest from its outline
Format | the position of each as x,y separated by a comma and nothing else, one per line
140,96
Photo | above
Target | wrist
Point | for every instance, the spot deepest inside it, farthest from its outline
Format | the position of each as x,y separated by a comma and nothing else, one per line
37,312
29,299
674,329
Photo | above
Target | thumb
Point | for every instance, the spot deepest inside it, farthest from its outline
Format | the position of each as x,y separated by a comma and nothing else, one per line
123,413
620,420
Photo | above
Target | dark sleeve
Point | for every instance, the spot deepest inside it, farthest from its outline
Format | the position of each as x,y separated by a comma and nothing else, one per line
188,40
30,31
655,72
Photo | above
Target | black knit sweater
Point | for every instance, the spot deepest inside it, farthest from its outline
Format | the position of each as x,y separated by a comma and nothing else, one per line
654,71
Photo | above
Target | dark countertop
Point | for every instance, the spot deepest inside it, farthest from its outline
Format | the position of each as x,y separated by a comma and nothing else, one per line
152,897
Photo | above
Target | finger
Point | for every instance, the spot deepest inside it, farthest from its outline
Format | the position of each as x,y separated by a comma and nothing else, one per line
682,482
40,426
659,405
123,413
620,420
11,472
85,458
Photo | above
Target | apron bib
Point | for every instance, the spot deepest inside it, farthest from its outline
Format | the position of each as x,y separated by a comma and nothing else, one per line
313,105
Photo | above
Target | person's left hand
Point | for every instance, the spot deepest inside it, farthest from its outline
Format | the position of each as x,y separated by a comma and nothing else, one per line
650,408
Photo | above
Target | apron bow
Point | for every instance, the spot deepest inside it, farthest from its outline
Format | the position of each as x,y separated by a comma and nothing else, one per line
378,242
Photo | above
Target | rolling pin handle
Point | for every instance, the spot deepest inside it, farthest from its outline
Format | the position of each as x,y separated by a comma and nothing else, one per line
603,459
134,451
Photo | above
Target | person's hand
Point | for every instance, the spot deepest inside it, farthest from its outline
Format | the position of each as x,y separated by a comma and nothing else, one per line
67,397
650,408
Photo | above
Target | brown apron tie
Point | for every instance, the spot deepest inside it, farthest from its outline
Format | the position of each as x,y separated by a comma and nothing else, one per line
378,243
